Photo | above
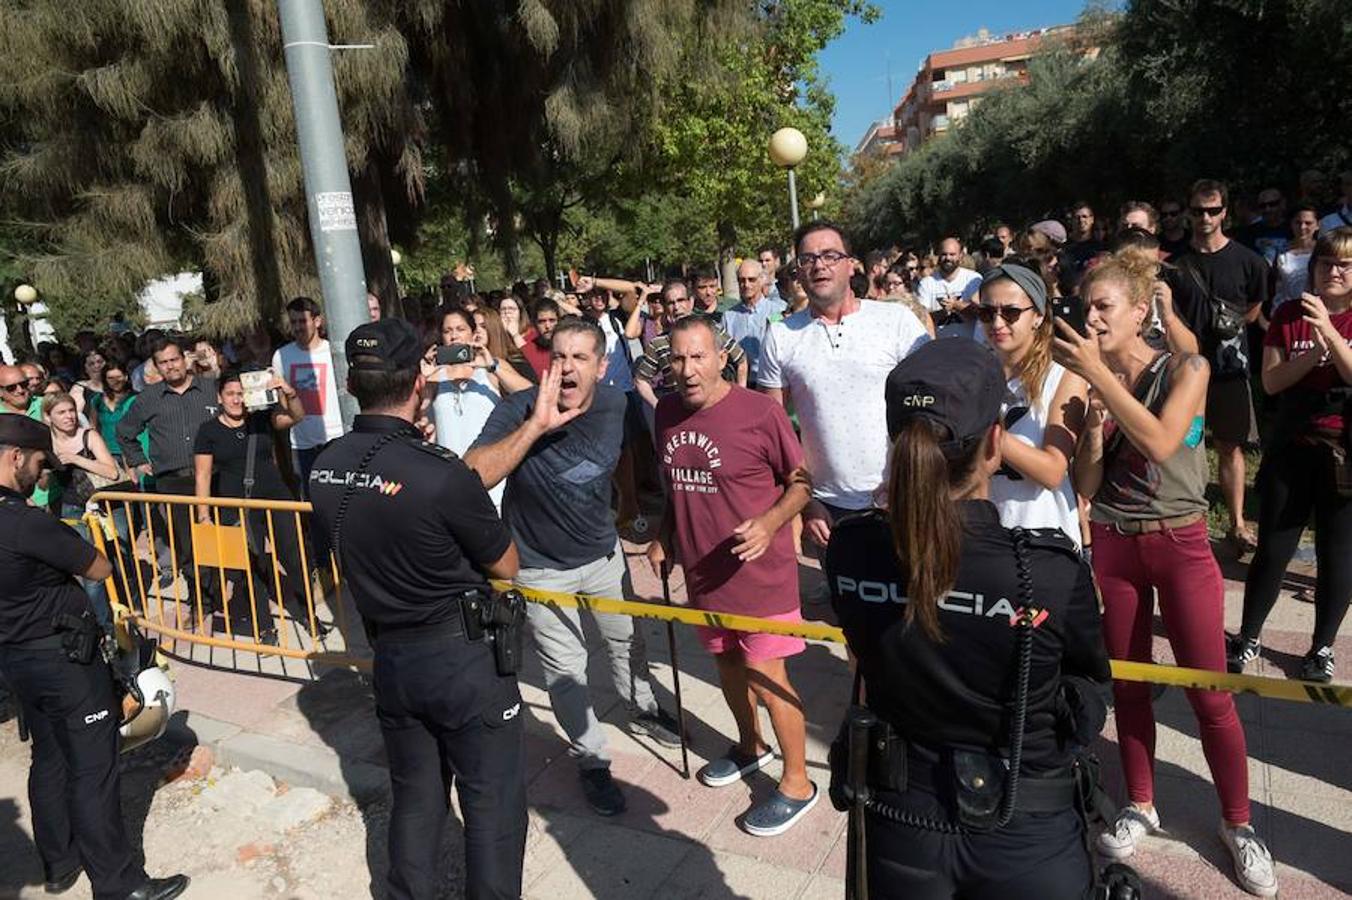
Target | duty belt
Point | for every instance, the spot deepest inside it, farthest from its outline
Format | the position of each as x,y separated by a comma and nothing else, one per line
1049,793
50,642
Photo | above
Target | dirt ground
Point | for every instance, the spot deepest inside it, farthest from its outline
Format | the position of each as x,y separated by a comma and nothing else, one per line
334,857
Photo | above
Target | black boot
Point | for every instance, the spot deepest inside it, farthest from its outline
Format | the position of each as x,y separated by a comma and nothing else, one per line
160,888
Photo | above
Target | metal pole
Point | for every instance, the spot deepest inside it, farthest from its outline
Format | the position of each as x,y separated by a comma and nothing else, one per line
793,198
328,191
675,674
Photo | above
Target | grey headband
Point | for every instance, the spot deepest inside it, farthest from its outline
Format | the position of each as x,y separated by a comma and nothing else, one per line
1030,281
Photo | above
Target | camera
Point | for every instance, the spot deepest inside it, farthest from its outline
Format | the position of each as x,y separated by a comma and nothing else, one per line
455,354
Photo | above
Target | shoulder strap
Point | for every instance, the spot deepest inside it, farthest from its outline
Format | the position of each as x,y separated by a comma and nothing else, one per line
1149,378
250,463
352,489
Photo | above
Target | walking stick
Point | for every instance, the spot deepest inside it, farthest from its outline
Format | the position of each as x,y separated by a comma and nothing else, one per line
675,674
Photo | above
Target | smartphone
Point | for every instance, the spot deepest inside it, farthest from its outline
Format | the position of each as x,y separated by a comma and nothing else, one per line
455,354
1071,311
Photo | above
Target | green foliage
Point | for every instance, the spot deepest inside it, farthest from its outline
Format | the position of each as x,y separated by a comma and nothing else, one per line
1250,91
152,136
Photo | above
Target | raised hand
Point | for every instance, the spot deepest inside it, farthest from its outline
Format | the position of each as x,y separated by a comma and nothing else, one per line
547,416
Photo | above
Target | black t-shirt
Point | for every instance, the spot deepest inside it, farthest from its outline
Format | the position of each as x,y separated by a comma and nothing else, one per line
228,448
419,528
1234,275
39,555
558,500
960,692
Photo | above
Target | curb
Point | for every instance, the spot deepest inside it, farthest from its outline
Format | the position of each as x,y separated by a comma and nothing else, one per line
301,765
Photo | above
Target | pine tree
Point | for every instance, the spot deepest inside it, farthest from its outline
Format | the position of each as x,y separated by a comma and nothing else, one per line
150,136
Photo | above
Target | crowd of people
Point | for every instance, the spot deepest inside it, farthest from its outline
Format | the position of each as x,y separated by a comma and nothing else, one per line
1129,346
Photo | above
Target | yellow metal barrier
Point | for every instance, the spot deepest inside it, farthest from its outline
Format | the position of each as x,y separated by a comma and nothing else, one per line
222,556
224,548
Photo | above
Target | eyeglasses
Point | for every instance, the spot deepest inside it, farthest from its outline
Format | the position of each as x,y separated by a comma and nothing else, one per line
1010,314
828,258
14,387
1212,211
1329,264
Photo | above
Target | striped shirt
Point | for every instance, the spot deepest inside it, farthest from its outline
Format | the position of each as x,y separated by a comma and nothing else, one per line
654,366
171,418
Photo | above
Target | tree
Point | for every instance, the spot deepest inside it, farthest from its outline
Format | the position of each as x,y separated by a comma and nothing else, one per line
712,141
157,135
1177,91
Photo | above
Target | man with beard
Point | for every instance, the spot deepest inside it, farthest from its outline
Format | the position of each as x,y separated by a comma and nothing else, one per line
948,293
1231,283
556,446
536,348
831,360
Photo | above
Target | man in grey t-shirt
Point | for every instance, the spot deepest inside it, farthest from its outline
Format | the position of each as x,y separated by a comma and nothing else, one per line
557,446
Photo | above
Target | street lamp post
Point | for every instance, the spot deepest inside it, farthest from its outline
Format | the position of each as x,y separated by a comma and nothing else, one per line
788,148
815,204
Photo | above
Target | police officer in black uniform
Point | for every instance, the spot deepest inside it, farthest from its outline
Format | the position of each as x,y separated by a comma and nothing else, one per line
417,536
50,656
980,654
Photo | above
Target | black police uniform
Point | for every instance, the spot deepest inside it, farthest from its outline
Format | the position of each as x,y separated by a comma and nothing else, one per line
70,709
418,530
959,693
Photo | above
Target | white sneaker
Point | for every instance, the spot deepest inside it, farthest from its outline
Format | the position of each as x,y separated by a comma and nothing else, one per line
1253,861
1131,825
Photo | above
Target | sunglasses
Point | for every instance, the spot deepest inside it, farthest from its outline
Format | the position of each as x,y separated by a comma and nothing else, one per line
1171,213
1269,204
1010,314
15,387
1212,211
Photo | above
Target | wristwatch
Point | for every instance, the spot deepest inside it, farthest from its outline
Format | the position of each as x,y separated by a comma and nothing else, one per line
493,366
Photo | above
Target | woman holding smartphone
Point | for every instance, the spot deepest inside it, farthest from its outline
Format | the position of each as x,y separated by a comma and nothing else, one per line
1142,463
464,394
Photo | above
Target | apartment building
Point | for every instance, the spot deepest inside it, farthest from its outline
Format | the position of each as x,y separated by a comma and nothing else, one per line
950,82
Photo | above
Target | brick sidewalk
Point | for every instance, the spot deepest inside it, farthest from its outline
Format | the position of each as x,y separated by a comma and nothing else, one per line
679,839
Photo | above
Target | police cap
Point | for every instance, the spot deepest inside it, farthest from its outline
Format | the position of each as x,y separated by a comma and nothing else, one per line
17,430
389,345
954,382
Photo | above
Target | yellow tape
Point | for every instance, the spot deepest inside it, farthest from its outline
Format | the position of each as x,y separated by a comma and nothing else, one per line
1123,670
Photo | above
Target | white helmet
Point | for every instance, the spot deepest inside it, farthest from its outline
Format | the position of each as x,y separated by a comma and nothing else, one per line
146,709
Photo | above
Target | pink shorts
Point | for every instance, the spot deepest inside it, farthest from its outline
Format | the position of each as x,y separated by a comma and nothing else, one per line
755,646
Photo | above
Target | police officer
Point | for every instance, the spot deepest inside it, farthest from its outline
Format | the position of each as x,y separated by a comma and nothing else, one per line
49,655
973,642
416,536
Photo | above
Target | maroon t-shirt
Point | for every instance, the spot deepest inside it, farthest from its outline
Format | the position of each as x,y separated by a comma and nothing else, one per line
1290,333
723,465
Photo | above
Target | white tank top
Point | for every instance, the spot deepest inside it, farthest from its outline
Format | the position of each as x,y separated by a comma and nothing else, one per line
1022,502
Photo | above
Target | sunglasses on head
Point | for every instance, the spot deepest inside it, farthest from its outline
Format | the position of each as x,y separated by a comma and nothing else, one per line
1010,314
1212,211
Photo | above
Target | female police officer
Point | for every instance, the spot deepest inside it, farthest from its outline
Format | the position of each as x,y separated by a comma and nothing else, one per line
964,633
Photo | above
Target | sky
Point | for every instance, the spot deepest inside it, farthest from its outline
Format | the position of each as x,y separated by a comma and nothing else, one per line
856,64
